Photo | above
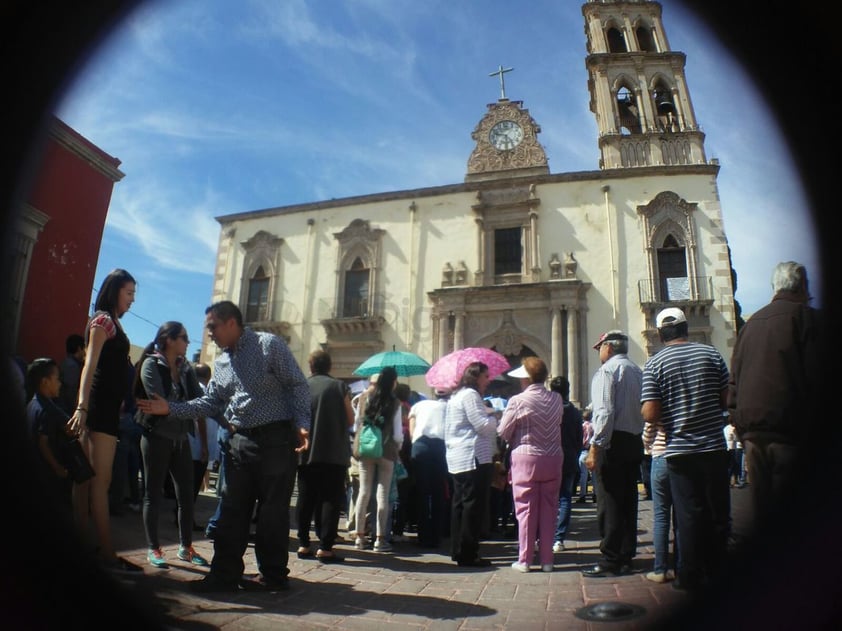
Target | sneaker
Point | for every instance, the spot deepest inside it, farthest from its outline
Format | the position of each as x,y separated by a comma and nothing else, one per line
520,567
558,546
191,556
381,545
359,543
156,558
547,567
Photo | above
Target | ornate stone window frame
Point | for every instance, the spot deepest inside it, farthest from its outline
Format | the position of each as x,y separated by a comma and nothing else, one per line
668,214
515,207
261,250
359,240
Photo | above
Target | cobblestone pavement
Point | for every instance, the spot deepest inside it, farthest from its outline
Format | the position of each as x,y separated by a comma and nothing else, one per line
407,588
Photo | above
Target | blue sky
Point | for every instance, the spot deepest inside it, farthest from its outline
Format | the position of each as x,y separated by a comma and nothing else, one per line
217,107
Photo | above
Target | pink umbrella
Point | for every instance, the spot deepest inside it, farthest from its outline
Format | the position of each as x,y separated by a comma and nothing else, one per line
448,370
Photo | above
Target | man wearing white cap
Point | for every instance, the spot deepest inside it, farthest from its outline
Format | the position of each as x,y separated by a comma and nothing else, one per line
615,453
684,393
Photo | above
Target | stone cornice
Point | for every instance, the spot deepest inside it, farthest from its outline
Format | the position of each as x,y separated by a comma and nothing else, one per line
86,150
473,187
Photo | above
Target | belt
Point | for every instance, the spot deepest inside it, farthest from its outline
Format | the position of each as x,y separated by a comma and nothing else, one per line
260,429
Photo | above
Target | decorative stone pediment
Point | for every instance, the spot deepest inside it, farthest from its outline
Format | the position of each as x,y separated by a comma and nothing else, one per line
527,158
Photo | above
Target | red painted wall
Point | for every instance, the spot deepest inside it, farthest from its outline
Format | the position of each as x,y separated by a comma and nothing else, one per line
75,195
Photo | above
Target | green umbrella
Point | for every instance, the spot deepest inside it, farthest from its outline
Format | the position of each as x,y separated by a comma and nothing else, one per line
406,364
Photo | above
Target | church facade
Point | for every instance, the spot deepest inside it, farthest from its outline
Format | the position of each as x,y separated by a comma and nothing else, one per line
513,258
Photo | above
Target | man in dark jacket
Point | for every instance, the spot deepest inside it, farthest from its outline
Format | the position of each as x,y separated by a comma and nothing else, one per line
774,376
323,466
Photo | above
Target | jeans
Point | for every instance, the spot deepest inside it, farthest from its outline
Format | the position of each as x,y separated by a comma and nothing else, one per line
583,475
260,463
222,435
662,511
162,457
702,501
565,494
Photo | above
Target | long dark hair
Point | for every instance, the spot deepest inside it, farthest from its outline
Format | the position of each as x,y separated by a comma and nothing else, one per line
109,291
382,400
167,331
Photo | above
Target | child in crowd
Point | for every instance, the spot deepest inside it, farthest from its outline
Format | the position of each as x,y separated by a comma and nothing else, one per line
47,423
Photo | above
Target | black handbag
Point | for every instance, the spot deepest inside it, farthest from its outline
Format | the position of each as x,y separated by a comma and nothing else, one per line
76,462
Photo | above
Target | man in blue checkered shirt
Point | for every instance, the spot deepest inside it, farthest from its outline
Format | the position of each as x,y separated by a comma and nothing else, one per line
259,392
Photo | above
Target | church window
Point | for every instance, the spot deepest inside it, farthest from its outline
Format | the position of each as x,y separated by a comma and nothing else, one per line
508,251
261,270
616,41
664,107
356,290
628,111
645,40
258,297
360,248
672,271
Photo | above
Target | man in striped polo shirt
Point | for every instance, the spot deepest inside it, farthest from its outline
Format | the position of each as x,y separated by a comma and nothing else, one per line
684,392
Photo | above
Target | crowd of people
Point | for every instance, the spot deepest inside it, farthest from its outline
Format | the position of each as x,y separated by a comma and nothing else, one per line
456,466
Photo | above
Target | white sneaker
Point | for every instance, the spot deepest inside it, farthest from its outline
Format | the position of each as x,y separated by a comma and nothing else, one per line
381,545
558,546
520,567
547,567
656,577
359,544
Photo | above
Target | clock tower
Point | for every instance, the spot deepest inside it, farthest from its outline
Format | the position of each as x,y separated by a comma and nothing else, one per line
638,89
507,141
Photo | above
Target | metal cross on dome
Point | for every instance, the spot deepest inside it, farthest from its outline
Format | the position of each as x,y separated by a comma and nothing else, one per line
501,71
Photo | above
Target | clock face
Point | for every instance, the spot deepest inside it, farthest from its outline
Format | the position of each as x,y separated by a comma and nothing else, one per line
505,135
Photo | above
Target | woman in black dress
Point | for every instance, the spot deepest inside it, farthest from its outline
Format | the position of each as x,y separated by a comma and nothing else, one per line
97,415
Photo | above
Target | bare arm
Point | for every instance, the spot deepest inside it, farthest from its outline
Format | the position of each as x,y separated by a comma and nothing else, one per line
78,422
651,412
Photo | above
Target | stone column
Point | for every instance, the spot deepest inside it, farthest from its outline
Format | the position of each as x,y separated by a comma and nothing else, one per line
573,354
555,342
459,331
443,350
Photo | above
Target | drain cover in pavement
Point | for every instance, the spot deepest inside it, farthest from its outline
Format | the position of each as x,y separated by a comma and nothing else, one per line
610,612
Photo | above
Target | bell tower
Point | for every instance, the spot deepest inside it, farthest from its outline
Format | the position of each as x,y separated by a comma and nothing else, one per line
638,89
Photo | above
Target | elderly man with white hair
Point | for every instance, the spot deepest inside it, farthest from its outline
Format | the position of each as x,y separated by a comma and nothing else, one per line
615,453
